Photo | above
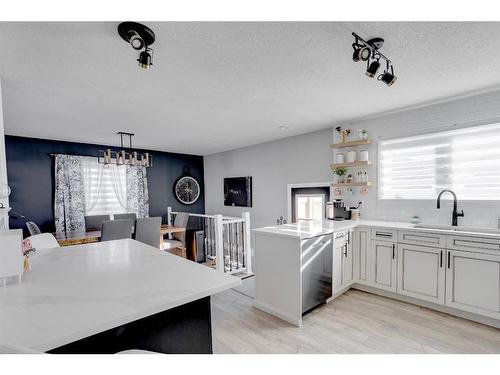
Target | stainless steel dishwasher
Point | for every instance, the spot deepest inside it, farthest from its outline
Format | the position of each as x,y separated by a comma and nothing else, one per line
317,260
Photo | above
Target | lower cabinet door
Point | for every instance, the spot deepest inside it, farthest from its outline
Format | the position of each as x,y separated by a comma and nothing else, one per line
421,272
384,265
337,268
473,282
362,261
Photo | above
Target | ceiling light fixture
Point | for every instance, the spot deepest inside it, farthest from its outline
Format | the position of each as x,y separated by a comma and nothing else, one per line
128,157
140,37
369,51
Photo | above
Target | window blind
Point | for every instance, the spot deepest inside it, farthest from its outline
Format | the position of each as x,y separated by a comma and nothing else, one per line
466,161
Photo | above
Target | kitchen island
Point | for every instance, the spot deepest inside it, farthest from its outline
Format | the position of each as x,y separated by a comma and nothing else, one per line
108,297
451,269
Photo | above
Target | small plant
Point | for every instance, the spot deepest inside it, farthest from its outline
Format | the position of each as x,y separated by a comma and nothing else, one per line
363,134
340,171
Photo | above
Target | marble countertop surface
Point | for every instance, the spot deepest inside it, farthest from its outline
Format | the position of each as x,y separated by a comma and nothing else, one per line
312,228
77,291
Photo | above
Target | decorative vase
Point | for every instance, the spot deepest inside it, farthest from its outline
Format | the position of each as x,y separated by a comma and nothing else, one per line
344,136
363,135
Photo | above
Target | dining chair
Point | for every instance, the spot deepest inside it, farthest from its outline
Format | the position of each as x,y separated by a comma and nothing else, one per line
178,240
43,241
148,231
131,216
94,222
125,216
33,228
116,229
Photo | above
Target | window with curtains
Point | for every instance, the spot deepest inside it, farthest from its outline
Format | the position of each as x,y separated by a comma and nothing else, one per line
466,161
105,188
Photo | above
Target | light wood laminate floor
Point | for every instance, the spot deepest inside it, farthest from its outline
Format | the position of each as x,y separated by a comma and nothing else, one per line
356,322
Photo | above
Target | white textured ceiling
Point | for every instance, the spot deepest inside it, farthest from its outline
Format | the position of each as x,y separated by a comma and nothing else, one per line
219,86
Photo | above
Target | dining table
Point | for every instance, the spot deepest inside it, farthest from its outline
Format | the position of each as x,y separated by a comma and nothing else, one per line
71,238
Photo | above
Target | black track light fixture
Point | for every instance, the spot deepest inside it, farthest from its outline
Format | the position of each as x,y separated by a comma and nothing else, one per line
140,37
369,51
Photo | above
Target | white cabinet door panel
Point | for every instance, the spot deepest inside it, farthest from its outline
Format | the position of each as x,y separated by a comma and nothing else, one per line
473,282
362,243
384,260
421,272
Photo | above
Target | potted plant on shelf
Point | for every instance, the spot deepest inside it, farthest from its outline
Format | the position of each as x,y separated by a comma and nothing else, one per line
340,172
363,134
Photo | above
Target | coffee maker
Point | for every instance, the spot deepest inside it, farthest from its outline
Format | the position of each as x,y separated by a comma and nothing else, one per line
336,210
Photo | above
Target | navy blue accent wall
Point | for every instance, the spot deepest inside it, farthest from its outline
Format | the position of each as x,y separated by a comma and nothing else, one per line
30,170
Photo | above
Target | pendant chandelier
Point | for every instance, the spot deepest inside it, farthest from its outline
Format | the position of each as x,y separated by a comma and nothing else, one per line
127,157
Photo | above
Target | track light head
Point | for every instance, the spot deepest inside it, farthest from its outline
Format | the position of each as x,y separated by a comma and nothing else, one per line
388,77
145,59
361,53
373,68
135,40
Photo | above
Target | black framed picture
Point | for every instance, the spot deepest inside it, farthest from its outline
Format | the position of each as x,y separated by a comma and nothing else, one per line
238,191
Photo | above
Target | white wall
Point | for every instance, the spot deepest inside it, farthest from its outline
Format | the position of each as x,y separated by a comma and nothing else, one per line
3,165
272,165
306,158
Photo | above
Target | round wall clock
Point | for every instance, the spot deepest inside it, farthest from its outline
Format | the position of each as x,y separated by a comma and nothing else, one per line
187,190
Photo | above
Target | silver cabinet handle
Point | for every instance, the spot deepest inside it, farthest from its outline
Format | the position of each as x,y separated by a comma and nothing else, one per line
383,234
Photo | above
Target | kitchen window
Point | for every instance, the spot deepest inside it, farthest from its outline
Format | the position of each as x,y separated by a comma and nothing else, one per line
466,161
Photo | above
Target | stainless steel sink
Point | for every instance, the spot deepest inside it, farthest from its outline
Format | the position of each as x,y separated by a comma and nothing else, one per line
458,229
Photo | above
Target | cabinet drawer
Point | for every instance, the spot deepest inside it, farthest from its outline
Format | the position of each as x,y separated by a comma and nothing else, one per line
384,234
476,244
422,238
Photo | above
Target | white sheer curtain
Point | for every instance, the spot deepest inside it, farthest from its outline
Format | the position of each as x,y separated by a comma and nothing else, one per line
119,181
92,176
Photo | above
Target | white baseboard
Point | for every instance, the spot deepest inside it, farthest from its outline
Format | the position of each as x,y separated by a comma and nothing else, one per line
414,301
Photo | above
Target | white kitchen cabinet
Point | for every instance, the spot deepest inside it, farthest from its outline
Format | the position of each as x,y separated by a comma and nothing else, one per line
473,282
384,265
361,252
421,272
343,262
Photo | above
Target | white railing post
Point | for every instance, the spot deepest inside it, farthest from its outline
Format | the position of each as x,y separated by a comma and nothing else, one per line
169,215
247,245
219,243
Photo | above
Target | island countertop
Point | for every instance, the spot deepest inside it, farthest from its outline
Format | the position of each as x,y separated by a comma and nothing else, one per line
78,291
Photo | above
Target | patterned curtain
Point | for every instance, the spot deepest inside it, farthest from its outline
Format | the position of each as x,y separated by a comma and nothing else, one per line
69,202
137,191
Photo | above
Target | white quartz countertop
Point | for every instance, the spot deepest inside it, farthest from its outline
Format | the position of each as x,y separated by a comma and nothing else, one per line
77,291
312,228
